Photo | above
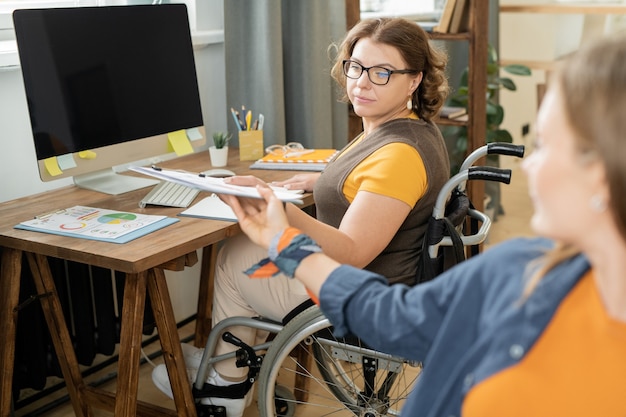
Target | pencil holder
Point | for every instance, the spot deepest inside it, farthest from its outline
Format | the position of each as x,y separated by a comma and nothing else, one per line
250,145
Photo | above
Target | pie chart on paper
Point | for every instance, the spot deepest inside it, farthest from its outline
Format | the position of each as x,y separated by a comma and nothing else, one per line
117,218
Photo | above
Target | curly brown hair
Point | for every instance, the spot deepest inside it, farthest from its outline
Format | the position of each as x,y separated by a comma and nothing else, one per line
413,44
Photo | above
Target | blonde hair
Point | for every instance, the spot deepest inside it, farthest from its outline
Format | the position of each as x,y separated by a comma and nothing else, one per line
592,82
413,44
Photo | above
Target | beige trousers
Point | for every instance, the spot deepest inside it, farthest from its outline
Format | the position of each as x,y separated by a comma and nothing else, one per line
236,294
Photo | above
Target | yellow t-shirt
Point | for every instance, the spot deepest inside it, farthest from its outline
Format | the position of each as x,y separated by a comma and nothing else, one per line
395,170
577,367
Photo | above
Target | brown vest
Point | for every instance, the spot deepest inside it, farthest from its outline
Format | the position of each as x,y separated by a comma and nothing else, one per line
398,261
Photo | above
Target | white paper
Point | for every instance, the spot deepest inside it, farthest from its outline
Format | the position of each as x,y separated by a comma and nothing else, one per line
211,208
214,185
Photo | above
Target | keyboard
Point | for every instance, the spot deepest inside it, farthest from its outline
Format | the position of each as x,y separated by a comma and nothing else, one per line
169,194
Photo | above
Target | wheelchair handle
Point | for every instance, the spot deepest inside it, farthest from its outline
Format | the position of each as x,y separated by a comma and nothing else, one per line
494,148
483,173
503,148
489,174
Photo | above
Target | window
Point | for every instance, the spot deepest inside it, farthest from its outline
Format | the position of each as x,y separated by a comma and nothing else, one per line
420,10
7,7
8,48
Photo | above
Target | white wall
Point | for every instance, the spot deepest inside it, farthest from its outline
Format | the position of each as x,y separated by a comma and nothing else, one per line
18,169
540,37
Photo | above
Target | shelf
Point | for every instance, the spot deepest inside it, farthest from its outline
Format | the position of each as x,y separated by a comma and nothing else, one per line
533,65
565,8
465,36
449,122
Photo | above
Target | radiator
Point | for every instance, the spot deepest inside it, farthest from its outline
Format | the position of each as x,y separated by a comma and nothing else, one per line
91,298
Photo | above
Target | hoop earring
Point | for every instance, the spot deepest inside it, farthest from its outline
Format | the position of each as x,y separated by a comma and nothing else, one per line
597,203
409,104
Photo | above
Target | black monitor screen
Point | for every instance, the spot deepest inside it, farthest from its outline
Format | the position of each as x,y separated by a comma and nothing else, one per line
97,76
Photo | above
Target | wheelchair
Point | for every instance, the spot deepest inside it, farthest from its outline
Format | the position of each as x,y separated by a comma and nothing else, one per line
306,367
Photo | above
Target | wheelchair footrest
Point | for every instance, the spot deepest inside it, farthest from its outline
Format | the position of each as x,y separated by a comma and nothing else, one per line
210,410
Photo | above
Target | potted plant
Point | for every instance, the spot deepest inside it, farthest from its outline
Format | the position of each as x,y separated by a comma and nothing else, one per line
495,116
219,151
495,112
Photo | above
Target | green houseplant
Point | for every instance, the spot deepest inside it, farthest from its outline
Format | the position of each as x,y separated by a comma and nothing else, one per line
221,139
219,151
495,111
495,116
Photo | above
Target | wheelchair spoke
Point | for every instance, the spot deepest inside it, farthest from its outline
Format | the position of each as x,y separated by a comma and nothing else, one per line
332,373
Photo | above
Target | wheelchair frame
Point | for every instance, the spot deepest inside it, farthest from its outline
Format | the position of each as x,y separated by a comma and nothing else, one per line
382,381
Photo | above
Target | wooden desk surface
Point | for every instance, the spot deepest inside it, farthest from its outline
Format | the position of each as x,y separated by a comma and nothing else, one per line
138,255
142,260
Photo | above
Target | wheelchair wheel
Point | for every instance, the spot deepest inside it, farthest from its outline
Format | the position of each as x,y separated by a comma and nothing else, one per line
333,376
284,402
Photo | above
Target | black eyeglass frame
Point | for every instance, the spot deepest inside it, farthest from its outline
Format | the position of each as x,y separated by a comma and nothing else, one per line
367,70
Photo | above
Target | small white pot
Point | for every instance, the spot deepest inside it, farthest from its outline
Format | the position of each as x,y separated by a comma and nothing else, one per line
219,157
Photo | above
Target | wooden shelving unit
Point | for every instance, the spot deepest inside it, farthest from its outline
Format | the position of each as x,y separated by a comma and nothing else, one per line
565,8
476,36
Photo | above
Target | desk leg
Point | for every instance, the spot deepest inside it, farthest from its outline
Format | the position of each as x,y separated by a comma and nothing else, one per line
205,295
130,344
170,343
63,345
9,299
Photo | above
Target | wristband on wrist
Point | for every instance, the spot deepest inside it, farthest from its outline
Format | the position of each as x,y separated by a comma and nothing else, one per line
287,249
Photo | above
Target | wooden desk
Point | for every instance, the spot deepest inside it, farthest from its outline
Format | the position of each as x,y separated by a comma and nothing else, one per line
143,260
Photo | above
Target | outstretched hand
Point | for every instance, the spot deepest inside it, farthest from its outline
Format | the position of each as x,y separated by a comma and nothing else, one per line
304,182
260,219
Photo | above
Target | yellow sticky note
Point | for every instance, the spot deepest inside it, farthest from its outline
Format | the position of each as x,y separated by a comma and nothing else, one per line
87,155
52,166
179,143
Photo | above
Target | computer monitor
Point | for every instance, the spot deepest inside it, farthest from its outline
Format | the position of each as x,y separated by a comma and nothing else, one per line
107,86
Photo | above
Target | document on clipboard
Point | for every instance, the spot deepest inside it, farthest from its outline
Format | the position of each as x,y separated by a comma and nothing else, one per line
211,184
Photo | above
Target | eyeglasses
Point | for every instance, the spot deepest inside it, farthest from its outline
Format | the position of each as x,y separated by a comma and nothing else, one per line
378,75
288,150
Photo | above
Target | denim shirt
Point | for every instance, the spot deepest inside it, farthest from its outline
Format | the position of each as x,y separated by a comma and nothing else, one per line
466,325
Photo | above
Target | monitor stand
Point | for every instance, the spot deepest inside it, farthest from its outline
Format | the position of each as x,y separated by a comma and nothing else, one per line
109,182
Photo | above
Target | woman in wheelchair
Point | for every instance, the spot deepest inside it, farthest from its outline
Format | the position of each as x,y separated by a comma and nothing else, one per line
373,201
532,327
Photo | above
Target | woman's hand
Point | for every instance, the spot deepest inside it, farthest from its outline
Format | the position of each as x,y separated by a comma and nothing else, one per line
245,180
304,182
260,219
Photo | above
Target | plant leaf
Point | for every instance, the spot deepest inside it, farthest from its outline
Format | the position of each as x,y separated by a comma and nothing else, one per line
493,69
495,114
492,55
517,69
499,135
464,77
507,83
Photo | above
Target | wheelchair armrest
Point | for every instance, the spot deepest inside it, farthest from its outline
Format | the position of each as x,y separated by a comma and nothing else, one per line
470,240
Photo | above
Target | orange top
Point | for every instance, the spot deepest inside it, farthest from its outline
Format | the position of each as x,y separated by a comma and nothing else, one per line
378,173
576,368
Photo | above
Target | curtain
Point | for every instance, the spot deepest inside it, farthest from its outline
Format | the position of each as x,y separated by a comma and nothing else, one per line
278,63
